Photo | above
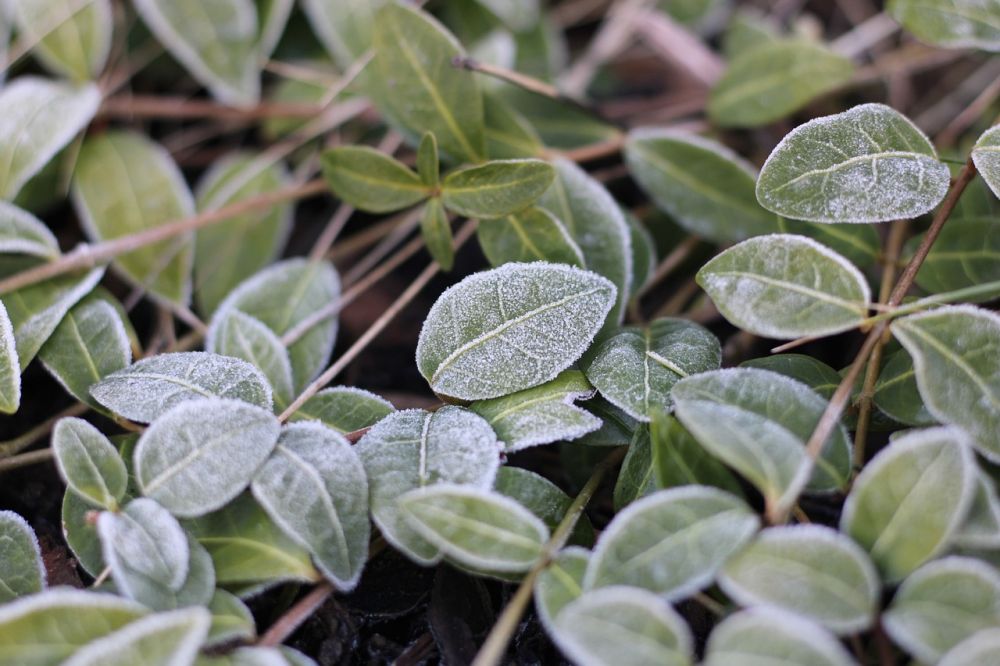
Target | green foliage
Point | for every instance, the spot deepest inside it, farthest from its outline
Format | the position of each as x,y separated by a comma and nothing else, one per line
70,40
496,189
531,235
372,181
951,23
768,635
22,571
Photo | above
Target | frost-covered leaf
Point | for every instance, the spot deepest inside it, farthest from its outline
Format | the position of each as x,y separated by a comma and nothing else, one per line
195,591
511,328
72,39
475,527
810,570
637,478
90,343
344,409
143,539
39,118
986,152
23,233
858,243
771,636
227,253
89,463
981,528
202,453
314,487
597,225
678,459
941,604
509,135
45,629
160,639
496,189
560,583
774,80
247,656
541,415
544,499
758,423
428,164
152,386
957,24
672,542
531,235
784,286
231,620
412,449
956,356
707,188
238,335
966,253
867,164
221,54
81,535
10,367
22,571
810,371
623,626
925,478
343,26
435,227
372,181
283,295
418,88
983,647
896,393
636,368
248,549
124,184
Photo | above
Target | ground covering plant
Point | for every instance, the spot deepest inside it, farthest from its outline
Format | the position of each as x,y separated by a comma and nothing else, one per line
592,451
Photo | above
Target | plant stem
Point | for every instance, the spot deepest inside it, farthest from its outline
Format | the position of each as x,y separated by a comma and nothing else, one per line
152,106
492,651
293,618
25,459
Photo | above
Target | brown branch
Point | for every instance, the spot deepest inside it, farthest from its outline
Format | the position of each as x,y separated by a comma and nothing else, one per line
152,106
293,618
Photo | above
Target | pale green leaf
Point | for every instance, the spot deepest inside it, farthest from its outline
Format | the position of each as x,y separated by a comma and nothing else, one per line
773,637
436,231
344,409
143,539
125,184
238,335
747,29
231,620
981,648
679,460
925,478
616,429
23,233
541,415
245,656
428,166
22,571
152,386
672,542
71,39
496,189
981,528
40,117
560,583
202,453
511,328
858,243
636,368
221,53
810,371
867,164
986,152
956,356
160,639
195,591
343,26
81,535
531,235
784,286
372,181
89,463
774,80
543,498
707,188
509,135
956,24
412,449
10,367
896,393
637,477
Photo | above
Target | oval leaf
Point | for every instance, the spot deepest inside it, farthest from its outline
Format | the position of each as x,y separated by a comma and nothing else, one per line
986,153
89,463
435,228
560,583
344,27
496,189
982,648
10,367
770,636
896,393
71,39
678,459
981,528
22,571
956,24
23,233
531,235
344,409
966,253
372,181
144,540
158,639
231,620
238,335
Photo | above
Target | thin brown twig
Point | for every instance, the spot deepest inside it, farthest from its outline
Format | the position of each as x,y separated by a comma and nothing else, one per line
293,618
25,459
153,106
21,442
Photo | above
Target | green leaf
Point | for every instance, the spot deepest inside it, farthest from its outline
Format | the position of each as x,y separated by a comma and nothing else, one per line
152,386
746,30
80,534
231,620
160,639
858,243
412,449
40,118
784,286
314,487
810,570
543,498
981,528
227,253
283,295
636,368
202,453
560,583
238,335
343,26
248,549
926,478
758,423
624,627
896,393
956,24
89,463
22,571
559,125
531,235
597,224
981,648
10,367
617,427
496,189
272,18
812,372
475,527
45,629
707,188
90,343
511,328
637,478
774,80
672,542
643,253
986,152
955,355
941,604
249,656
509,135
436,230
771,636
124,184
70,39
867,164
678,459
427,161
372,181
965,254
344,409
419,89
222,54
23,233
541,415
